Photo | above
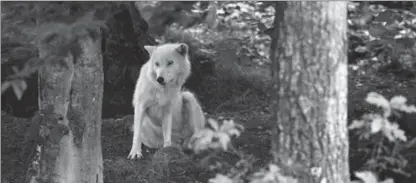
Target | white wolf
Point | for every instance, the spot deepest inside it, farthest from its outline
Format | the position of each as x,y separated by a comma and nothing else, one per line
163,112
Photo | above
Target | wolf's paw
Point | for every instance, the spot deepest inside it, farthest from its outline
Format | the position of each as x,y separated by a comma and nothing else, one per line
166,144
135,154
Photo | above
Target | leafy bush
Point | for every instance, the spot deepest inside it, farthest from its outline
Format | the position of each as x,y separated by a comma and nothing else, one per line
244,22
249,22
59,40
381,38
28,26
215,137
379,139
369,177
378,36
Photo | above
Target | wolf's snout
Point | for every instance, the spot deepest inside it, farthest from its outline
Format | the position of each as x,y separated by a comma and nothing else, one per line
160,80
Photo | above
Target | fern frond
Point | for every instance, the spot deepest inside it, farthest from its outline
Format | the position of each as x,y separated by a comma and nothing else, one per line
214,136
219,178
380,101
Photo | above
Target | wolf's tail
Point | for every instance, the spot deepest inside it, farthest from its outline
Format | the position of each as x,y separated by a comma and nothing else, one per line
196,117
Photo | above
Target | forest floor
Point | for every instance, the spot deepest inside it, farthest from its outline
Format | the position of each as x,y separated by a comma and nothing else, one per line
242,95
254,115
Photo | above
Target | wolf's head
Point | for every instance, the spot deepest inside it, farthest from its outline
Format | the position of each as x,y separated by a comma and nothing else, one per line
170,65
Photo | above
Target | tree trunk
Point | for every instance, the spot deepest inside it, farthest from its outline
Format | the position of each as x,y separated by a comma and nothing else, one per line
311,91
75,93
124,55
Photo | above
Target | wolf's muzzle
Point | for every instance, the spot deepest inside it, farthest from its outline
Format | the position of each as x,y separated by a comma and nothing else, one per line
160,80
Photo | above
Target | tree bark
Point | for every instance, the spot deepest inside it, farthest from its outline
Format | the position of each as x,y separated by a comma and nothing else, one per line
54,86
124,55
310,89
75,93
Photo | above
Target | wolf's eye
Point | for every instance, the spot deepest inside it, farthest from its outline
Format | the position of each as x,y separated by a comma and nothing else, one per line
157,64
170,62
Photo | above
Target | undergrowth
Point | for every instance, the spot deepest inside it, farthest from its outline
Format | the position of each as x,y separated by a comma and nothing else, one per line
230,86
380,139
229,90
386,138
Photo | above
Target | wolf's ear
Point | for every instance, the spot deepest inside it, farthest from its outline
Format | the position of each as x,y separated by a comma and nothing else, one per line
149,49
182,49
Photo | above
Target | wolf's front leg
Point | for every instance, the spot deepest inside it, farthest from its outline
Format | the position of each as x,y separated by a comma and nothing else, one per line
167,128
136,149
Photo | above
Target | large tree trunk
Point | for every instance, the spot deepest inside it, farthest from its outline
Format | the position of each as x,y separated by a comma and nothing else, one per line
75,93
311,91
124,55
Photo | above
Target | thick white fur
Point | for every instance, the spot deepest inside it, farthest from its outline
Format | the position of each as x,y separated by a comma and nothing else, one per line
164,113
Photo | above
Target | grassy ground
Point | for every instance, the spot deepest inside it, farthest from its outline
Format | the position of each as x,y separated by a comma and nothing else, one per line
240,93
